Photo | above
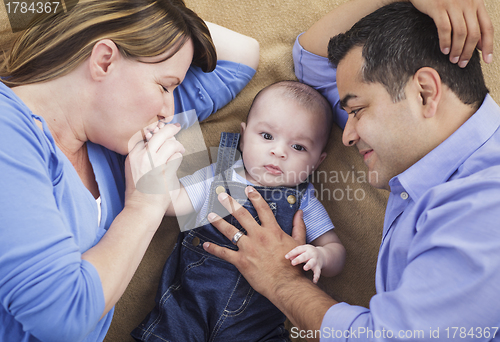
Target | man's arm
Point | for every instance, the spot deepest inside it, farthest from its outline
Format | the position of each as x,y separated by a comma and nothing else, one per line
462,24
261,260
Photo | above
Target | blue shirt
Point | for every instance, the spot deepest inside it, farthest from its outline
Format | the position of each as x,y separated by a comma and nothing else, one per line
48,218
438,270
200,95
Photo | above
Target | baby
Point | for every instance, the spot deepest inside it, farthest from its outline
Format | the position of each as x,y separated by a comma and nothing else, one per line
203,298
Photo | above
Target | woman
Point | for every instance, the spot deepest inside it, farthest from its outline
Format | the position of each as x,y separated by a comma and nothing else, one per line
77,87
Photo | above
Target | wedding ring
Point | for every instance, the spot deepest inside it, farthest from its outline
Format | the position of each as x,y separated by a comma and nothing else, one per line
236,237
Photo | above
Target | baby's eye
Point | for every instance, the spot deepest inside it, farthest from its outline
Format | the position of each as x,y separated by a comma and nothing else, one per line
165,89
298,147
266,136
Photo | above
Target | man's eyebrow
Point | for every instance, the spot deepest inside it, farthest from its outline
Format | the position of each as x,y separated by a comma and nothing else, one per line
347,98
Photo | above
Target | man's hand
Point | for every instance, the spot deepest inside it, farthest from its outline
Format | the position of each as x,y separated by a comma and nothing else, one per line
462,25
261,254
261,260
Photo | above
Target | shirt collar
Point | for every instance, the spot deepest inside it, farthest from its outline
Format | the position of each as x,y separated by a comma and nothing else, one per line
439,164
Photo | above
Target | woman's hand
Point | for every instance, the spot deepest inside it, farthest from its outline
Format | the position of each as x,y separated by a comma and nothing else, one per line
152,163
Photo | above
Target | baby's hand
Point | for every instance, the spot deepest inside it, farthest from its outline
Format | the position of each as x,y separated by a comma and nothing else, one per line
310,255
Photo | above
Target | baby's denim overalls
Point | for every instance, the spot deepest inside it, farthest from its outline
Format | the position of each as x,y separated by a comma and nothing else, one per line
204,298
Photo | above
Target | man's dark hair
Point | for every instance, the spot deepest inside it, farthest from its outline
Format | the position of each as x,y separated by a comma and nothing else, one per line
397,41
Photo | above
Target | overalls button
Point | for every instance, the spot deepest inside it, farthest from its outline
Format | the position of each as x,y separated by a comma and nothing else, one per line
291,199
196,241
220,189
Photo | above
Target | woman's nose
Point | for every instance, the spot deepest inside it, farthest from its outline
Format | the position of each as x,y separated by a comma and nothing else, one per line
168,108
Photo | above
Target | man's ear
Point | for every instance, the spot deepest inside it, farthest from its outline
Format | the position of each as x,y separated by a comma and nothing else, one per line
429,86
104,54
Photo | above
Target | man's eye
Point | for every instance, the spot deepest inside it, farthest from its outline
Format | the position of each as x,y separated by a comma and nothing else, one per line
355,112
298,147
266,136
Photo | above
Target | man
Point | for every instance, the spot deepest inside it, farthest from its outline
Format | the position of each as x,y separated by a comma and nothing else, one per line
427,128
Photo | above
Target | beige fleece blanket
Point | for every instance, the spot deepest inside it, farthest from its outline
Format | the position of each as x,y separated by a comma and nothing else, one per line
358,219
275,24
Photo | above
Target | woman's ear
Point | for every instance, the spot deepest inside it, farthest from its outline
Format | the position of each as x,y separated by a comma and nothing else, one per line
430,88
104,54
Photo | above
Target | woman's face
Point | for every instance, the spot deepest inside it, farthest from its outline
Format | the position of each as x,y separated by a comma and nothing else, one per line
138,93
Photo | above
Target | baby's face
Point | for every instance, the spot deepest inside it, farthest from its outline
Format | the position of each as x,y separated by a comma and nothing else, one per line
282,142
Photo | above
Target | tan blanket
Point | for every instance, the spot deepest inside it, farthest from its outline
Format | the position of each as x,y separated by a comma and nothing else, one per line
356,209
275,24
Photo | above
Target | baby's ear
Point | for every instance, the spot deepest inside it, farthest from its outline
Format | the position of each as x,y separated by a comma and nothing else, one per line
320,160
242,131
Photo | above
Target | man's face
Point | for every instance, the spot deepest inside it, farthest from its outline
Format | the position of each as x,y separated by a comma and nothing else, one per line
384,132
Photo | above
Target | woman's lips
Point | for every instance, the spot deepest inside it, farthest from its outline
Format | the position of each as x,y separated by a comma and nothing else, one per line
273,169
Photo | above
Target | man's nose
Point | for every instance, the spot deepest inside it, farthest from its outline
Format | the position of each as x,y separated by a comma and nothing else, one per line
350,136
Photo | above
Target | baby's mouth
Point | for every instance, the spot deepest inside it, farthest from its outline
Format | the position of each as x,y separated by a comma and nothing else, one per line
273,169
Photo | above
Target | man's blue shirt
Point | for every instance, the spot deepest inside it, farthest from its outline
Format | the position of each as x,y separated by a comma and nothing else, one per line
438,268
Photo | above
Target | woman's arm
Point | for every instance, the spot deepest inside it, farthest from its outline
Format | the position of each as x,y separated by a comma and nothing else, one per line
233,46
118,254
462,24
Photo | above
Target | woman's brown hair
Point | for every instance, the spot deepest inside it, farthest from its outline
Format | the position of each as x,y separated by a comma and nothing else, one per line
53,45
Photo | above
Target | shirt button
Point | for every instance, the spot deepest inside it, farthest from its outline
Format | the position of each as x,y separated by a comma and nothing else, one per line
196,241
291,199
404,195
220,189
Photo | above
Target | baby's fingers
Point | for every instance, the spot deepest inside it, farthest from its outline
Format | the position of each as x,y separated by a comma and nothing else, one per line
295,252
301,258
316,273
313,265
